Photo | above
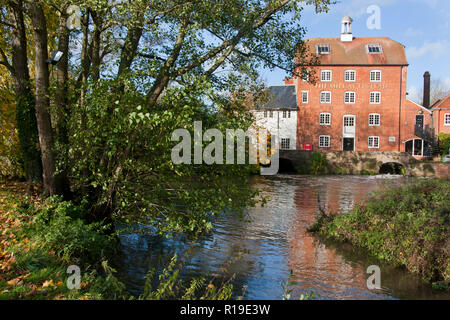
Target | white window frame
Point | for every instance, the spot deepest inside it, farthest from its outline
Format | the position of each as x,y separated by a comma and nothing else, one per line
374,45
323,45
374,138
325,92
326,73
374,122
354,97
283,143
325,145
350,72
286,114
447,119
374,73
325,116
375,95
305,93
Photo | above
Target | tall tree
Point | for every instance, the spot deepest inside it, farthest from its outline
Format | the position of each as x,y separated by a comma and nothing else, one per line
25,103
42,97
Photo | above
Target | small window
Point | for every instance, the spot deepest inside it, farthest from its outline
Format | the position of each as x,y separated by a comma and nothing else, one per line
265,114
374,119
286,114
325,119
447,119
375,76
325,97
374,48
375,98
350,76
305,76
285,143
374,142
350,97
325,76
305,97
323,49
324,141
271,114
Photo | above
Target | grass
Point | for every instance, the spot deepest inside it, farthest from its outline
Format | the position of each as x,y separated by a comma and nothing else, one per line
407,226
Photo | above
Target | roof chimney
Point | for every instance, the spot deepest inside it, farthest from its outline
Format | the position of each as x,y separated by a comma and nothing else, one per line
346,29
426,90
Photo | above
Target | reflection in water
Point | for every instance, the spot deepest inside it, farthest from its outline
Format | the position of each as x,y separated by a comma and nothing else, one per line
274,241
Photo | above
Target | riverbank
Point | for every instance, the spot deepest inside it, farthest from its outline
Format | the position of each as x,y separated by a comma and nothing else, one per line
406,226
40,239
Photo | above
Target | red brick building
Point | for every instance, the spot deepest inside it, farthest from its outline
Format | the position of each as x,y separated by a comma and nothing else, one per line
441,116
417,129
358,102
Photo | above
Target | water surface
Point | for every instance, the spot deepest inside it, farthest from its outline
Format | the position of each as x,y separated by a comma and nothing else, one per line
263,248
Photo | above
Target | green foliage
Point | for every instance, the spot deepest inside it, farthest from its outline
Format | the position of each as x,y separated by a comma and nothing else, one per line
170,286
287,290
318,163
406,226
10,153
60,228
48,239
151,189
444,143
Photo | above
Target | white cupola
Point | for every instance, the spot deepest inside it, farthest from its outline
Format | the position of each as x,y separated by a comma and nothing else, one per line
346,29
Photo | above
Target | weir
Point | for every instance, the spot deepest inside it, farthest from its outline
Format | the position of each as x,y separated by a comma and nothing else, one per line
363,163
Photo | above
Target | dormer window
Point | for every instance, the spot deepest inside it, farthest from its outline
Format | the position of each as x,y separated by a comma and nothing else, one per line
323,49
374,48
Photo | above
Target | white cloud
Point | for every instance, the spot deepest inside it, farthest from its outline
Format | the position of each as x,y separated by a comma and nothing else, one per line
435,49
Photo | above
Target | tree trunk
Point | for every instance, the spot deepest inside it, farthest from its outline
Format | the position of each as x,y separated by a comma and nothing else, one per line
61,99
42,98
96,38
25,104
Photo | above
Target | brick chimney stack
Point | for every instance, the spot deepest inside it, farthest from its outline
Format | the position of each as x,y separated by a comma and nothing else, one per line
426,90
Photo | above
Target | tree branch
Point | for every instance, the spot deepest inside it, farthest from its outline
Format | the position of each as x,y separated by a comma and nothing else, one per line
267,13
5,61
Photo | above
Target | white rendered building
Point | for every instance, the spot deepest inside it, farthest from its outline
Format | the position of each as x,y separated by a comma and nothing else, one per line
279,115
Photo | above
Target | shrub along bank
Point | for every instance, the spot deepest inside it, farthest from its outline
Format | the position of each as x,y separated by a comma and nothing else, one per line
407,226
40,239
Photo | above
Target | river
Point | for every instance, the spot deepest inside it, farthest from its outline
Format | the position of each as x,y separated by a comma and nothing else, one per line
271,242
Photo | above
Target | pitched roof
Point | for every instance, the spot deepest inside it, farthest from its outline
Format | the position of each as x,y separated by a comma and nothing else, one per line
417,105
442,104
355,52
280,97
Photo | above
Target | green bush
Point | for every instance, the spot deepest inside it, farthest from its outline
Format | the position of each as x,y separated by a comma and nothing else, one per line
318,163
444,143
406,226
60,228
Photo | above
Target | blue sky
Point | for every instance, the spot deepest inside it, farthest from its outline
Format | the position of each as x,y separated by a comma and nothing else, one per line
423,26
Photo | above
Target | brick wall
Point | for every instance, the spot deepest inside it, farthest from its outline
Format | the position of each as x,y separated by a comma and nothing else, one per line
393,92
